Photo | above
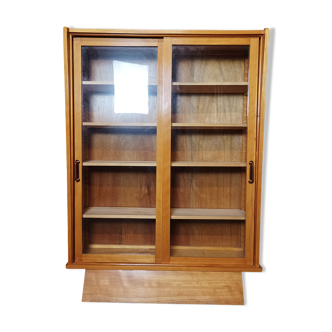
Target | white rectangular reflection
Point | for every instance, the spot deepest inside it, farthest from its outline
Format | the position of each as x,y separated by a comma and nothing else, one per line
130,88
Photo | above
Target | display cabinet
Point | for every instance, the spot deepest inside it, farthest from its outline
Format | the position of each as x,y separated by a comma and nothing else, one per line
164,149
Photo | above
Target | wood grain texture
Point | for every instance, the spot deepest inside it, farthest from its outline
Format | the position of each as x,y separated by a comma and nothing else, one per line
166,32
166,147
206,188
208,267
251,149
193,186
119,249
98,106
134,250
201,145
119,212
210,41
210,261
207,108
118,258
118,42
160,161
207,233
119,163
260,129
208,252
118,125
208,126
196,67
67,50
163,287
244,135
207,164
208,214
120,144
209,87
78,153
121,187
134,232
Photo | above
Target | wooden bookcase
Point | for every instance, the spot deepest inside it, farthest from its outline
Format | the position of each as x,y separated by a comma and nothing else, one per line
164,149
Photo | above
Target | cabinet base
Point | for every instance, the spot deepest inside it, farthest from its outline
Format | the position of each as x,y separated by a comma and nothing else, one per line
164,267
186,287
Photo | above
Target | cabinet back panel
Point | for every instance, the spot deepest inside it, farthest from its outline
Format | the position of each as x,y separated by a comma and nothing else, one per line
207,108
207,145
206,233
206,187
98,106
208,69
121,144
121,231
97,62
121,186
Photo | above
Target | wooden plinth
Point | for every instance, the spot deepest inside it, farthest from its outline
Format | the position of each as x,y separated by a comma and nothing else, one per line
187,287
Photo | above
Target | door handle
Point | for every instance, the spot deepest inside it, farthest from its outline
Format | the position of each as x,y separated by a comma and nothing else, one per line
77,171
251,172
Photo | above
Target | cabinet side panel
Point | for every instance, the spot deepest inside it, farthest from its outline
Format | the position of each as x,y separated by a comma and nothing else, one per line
67,49
264,50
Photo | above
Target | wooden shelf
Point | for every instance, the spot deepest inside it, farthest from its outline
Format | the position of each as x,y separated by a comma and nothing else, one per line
119,163
207,164
215,252
210,87
97,83
178,87
176,213
174,125
109,86
208,214
177,251
106,83
119,249
119,213
117,125
208,126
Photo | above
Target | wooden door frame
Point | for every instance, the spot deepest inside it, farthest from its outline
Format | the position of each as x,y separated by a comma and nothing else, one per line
78,42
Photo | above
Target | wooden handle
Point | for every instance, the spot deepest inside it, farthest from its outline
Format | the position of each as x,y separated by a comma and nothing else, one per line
251,174
77,171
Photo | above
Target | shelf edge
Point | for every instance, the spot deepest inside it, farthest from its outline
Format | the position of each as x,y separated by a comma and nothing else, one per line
120,164
206,164
118,125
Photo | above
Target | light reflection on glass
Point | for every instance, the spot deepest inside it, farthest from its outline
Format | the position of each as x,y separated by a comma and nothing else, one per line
130,88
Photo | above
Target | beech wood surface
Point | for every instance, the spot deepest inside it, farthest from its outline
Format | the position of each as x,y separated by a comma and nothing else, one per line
163,287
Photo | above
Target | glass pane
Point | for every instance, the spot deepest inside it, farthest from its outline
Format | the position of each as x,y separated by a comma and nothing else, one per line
120,84
209,135
119,126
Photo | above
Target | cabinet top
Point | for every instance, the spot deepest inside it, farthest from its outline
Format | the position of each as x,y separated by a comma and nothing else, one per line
163,32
